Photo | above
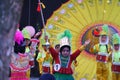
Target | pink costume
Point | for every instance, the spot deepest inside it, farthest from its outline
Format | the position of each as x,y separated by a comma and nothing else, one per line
19,66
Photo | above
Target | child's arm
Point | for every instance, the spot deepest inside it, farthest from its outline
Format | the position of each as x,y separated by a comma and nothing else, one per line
78,51
39,57
94,49
53,52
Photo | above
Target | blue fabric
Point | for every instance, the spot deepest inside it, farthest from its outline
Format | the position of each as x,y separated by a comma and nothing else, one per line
47,77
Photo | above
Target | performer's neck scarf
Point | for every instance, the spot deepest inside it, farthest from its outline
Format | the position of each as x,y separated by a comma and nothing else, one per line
64,61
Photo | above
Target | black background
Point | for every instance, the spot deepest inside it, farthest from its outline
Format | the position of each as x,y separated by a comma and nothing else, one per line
35,17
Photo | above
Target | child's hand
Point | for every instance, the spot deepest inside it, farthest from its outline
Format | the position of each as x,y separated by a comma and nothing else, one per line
87,42
38,34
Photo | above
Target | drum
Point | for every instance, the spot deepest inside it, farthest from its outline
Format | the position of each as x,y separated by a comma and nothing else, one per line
101,58
116,68
46,69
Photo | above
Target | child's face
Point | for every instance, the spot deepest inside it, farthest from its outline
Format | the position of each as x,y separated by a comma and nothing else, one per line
46,37
116,47
65,52
27,42
103,38
57,48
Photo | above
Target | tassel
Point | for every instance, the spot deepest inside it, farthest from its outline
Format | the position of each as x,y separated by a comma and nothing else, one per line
38,8
43,6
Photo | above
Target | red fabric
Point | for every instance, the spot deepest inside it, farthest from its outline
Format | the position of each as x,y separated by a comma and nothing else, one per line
31,63
101,58
96,33
38,7
75,54
34,40
53,52
55,56
116,68
46,69
18,76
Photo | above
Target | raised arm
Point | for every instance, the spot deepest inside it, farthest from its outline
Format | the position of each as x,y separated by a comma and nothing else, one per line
53,52
78,51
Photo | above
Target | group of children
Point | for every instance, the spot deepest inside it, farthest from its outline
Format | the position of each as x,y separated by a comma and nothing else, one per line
57,60
107,55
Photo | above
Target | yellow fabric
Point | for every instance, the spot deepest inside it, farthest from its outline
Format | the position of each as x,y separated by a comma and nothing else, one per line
82,48
103,33
27,49
28,73
86,67
41,58
51,68
80,17
40,62
97,48
102,71
115,76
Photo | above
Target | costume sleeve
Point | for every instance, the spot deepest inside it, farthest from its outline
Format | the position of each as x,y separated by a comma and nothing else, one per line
77,52
53,52
39,56
94,49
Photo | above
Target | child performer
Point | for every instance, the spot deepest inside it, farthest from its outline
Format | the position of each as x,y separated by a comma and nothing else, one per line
116,57
19,59
102,51
63,59
44,57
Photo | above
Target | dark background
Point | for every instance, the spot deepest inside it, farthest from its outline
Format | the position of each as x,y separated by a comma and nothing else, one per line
30,16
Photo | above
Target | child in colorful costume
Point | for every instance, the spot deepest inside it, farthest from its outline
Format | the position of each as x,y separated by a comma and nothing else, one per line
116,57
63,59
44,58
102,51
19,59
28,32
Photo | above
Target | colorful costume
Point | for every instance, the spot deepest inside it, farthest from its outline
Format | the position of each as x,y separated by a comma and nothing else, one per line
62,65
45,62
116,58
103,51
19,59
19,66
59,69
44,57
28,32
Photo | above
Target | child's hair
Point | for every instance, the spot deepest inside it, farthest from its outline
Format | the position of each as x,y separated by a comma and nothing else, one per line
47,77
19,48
64,47
57,46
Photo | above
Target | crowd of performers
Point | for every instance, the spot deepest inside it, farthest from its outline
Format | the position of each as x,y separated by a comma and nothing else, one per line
55,61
